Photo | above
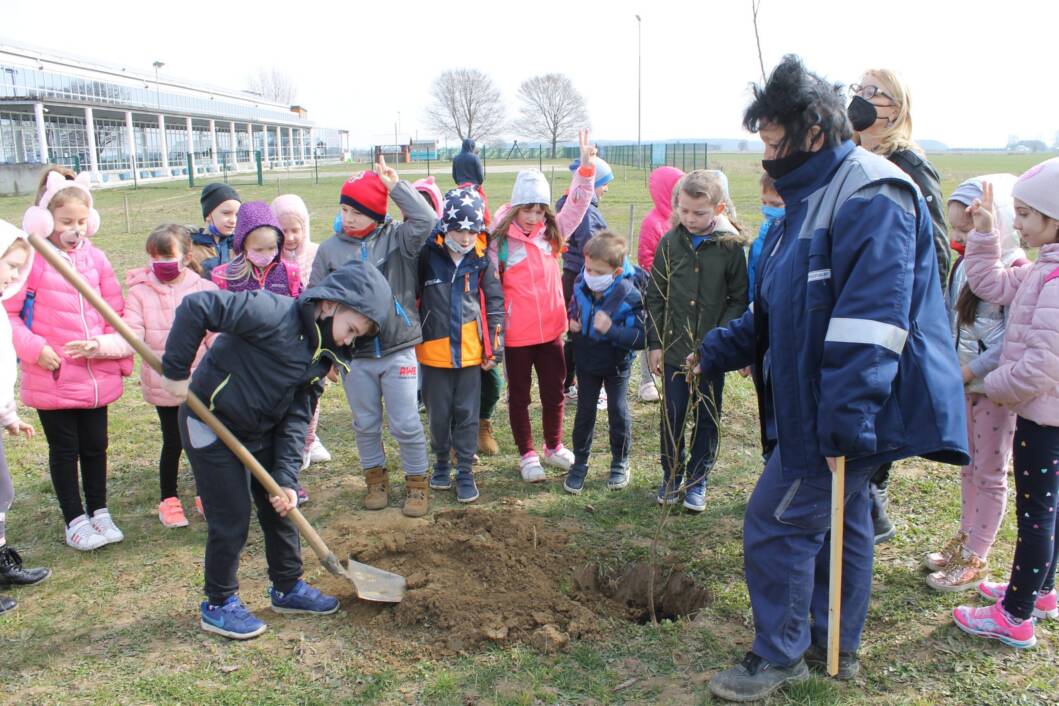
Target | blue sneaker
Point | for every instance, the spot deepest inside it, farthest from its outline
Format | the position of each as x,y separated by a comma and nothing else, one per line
669,491
619,477
575,479
231,619
303,598
466,490
441,478
695,496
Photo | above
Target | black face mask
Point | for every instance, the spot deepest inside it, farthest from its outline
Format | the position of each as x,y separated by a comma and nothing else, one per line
783,166
862,113
327,334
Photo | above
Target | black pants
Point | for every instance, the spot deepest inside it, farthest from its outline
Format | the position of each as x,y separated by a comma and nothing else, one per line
452,397
77,435
706,415
620,421
1037,476
169,459
226,488
568,292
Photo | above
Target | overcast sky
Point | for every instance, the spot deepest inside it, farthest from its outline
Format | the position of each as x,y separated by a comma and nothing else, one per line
978,71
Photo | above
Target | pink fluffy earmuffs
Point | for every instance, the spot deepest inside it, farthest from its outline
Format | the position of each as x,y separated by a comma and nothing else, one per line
38,219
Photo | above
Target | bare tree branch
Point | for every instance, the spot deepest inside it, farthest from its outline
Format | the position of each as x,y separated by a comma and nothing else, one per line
273,85
550,109
755,5
465,103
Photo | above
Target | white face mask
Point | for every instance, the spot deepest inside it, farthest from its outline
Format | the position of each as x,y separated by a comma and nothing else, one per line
599,283
456,247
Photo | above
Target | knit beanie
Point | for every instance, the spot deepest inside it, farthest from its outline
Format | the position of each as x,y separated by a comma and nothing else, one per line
604,174
213,195
429,189
366,193
530,187
254,214
1038,188
463,211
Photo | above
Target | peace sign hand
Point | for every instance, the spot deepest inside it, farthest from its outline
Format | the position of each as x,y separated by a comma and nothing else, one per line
588,151
387,174
981,211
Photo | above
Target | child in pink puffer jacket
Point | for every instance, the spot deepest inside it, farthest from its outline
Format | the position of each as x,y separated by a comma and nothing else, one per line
1027,382
155,292
70,394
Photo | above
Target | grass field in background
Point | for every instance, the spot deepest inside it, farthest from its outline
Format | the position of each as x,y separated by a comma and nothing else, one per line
120,625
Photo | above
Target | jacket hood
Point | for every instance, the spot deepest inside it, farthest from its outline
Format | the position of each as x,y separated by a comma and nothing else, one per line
468,145
359,286
661,184
8,235
253,215
292,205
428,187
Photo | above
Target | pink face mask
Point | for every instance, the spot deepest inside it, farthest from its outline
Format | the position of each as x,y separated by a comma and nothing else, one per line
166,270
261,260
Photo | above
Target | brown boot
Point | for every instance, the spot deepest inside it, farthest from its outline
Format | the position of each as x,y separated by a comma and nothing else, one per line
415,496
378,495
486,441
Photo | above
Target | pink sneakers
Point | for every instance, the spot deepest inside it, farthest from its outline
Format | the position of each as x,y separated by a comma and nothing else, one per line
992,621
171,513
1044,607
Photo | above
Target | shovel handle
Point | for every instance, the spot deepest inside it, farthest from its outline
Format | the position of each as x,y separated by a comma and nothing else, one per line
194,403
838,521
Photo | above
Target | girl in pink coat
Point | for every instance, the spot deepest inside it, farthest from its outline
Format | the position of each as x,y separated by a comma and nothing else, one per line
526,247
70,394
155,292
1026,381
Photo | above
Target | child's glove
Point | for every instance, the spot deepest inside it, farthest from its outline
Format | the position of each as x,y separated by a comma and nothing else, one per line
176,388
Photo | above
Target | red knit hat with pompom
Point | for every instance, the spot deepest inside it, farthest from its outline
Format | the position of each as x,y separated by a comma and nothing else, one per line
366,193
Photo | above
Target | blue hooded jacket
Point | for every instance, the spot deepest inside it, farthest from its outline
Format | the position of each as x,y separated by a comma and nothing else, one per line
860,359
612,352
592,223
467,166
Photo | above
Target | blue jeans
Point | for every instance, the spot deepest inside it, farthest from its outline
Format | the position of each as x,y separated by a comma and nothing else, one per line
705,417
617,387
786,550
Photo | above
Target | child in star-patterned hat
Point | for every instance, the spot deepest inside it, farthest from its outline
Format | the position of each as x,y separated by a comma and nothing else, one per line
461,305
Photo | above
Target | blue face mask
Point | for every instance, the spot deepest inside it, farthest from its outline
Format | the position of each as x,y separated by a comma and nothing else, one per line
773,212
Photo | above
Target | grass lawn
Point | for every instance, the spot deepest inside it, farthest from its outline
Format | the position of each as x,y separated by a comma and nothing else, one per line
120,625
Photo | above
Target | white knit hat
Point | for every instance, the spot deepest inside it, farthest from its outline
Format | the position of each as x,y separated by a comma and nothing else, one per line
530,187
1038,188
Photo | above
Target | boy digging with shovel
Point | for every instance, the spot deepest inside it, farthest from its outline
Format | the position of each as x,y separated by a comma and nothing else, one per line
262,378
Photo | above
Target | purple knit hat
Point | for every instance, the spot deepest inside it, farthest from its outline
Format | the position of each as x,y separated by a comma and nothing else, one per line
254,214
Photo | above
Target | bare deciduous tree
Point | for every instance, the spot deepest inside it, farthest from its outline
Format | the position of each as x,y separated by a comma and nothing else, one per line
466,103
273,85
550,109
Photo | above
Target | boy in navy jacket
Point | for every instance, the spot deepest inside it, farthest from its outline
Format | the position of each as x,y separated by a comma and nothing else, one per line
607,327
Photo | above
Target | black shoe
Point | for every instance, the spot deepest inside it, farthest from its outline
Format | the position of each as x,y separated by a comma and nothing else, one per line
755,678
7,603
12,573
884,529
848,664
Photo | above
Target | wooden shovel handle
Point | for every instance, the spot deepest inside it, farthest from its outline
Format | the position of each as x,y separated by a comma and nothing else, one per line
834,607
194,403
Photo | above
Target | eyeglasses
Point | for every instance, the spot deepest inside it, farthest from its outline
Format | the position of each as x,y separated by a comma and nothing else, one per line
868,92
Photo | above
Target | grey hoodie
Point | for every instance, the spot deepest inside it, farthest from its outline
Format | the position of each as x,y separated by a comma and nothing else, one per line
394,249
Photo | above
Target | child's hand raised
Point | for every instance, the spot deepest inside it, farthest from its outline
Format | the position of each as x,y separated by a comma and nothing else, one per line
981,211
587,150
387,174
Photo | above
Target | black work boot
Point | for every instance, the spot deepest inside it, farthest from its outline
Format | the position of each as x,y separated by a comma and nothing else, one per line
755,678
848,664
884,529
12,573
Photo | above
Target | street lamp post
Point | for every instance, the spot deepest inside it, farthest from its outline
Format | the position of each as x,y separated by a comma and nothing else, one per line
157,95
639,90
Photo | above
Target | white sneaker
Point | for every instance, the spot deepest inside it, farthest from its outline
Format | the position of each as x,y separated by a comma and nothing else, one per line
571,393
601,403
532,471
317,452
648,392
81,535
102,523
561,457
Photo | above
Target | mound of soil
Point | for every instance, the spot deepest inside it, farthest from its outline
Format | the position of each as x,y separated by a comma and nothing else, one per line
476,576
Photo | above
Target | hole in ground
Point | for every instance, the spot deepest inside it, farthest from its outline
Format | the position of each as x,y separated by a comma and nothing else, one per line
676,595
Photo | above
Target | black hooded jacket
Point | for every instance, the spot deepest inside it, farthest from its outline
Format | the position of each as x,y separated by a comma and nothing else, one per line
467,166
263,374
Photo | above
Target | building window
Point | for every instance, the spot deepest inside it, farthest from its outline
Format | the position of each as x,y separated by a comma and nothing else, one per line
18,138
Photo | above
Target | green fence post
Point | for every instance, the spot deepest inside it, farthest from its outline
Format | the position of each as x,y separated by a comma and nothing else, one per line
77,164
260,176
706,156
191,170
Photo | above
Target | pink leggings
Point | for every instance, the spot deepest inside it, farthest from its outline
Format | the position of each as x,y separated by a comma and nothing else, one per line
984,483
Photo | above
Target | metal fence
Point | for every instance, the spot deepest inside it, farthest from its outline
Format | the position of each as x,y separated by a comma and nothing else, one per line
685,155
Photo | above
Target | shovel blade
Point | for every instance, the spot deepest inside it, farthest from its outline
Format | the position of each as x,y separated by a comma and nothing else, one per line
374,584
